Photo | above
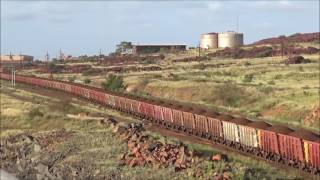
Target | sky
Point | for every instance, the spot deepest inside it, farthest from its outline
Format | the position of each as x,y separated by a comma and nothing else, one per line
83,27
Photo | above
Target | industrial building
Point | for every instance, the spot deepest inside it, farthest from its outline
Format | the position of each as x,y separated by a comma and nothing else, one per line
156,48
209,40
16,58
228,39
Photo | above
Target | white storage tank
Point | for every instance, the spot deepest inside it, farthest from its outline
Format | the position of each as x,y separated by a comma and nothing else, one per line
209,40
230,39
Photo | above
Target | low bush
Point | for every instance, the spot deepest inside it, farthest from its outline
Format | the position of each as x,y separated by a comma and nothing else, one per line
248,78
230,94
87,81
300,68
35,112
201,66
265,89
271,82
90,71
113,83
71,78
278,76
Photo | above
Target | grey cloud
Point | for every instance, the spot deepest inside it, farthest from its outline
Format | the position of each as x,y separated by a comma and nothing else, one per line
59,19
25,16
281,6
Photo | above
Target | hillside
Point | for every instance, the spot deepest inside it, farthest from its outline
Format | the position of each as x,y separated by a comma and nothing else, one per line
294,38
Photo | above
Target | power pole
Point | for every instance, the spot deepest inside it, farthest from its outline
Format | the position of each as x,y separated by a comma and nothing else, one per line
13,76
199,50
47,57
237,23
282,49
10,56
60,54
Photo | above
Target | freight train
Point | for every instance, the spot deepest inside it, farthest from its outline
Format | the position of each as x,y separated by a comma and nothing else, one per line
296,148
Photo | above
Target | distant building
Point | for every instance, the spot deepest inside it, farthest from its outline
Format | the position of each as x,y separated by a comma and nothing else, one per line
156,48
16,58
69,58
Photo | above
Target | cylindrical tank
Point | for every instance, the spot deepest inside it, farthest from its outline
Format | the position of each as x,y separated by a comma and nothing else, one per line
230,39
209,40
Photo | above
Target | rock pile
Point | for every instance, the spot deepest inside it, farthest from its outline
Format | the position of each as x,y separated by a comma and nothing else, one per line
142,150
21,153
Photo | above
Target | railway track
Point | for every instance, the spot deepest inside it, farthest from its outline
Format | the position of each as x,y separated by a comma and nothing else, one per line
217,142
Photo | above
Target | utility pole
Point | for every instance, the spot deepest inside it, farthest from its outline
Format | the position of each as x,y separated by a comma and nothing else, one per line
60,54
13,76
282,49
199,50
237,23
47,57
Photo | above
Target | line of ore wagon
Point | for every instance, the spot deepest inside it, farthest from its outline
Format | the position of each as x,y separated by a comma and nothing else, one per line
300,148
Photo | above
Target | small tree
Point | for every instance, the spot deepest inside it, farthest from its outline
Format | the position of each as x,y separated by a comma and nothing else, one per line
248,78
124,46
87,81
113,83
71,78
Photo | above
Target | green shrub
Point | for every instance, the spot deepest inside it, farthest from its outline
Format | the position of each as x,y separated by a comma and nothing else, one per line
267,52
271,82
113,83
265,89
300,68
248,78
35,112
278,76
230,94
87,81
54,68
71,78
90,71
201,66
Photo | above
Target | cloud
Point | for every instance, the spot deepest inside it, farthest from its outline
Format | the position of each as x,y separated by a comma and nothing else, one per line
59,19
22,16
279,6
214,6
47,10
20,11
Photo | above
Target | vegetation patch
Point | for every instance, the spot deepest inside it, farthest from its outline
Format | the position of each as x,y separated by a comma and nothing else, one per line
230,94
113,83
